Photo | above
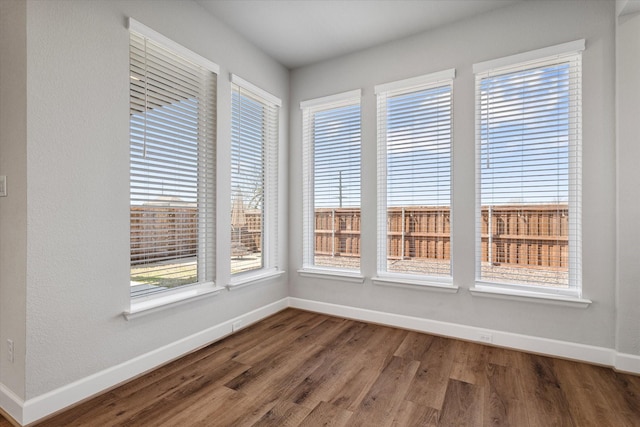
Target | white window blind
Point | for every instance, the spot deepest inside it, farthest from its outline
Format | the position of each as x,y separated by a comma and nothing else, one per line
414,176
172,167
254,178
528,145
331,152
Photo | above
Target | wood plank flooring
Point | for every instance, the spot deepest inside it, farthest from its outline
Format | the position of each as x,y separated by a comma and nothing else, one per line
4,422
298,368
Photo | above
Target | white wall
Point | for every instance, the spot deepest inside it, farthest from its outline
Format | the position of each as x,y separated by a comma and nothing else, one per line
13,208
518,28
72,149
628,154
64,146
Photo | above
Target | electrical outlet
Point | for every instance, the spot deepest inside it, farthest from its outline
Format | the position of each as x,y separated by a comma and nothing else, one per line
10,350
486,337
236,325
3,186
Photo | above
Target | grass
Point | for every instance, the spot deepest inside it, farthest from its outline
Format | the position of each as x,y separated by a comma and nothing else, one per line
183,272
168,275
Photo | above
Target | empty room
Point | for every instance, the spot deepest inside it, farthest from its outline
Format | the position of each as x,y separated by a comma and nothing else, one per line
319,212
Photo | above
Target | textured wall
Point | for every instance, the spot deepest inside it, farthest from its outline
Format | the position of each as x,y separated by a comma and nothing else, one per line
64,130
507,31
13,208
628,250
78,174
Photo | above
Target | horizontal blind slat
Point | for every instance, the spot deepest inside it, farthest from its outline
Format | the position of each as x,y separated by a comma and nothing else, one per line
172,126
414,164
528,118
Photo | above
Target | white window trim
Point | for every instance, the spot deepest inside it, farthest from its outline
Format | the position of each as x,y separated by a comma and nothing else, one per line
415,83
346,97
490,290
237,80
143,306
147,32
270,266
241,280
308,269
522,60
390,278
331,274
414,281
151,303
572,295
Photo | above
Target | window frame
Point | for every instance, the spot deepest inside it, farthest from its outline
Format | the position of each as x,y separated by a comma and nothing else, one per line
205,283
383,93
571,51
309,109
271,142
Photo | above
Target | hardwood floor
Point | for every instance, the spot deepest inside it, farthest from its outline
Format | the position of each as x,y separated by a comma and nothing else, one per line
304,369
4,422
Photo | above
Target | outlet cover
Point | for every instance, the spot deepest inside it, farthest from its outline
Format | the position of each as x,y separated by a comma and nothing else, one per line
486,337
10,350
236,325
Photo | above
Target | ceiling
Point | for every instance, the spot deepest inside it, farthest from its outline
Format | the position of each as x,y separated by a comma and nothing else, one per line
301,32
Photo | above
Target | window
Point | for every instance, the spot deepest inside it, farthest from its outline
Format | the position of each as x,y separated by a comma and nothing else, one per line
254,177
331,141
414,177
528,145
172,164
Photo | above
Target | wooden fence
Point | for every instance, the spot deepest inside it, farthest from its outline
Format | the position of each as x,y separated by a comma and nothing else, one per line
535,236
160,233
337,232
530,235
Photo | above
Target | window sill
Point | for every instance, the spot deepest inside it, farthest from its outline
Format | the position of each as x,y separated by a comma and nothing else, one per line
161,302
427,285
253,278
537,297
344,276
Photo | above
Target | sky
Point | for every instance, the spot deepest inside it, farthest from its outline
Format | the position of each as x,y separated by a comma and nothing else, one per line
164,153
337,157
419,148
247,150
524,136
524,132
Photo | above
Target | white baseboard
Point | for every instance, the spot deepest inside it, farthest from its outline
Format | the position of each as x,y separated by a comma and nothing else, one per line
32,410
11,403
627,363
39,407
563,349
